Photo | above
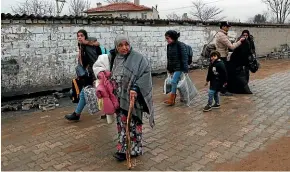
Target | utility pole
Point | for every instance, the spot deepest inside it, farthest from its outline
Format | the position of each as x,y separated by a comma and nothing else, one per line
59,6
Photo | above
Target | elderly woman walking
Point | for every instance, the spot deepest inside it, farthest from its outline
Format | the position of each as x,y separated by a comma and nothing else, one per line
131,74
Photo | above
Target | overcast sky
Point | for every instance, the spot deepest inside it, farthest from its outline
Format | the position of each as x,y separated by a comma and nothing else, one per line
233,9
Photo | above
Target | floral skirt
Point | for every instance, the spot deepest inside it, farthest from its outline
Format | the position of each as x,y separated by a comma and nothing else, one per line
135,133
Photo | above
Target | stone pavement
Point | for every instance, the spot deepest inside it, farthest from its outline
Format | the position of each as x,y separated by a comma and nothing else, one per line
184,138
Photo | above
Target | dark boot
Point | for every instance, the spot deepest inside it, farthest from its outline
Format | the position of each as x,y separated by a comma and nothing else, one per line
171,100
73,117
122,156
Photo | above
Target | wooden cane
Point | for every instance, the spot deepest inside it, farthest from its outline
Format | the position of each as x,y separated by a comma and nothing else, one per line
128,137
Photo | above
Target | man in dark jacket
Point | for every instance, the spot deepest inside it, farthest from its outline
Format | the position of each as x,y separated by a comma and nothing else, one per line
217,76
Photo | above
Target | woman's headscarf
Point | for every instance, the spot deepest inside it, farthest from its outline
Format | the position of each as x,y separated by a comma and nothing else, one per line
246,31
250,37
173,35
121,38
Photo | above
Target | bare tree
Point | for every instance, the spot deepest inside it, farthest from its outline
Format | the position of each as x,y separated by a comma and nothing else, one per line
202,11
280,8
173,16
78,7
115,1
36,7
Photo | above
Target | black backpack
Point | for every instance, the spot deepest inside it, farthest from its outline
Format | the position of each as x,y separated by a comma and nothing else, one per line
189,52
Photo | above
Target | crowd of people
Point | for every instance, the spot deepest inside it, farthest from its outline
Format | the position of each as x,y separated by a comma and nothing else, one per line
129,78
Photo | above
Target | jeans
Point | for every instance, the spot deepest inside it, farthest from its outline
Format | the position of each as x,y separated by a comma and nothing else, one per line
213,94
174,81
82,103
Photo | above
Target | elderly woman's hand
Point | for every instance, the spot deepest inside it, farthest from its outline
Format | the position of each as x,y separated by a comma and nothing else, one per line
133,94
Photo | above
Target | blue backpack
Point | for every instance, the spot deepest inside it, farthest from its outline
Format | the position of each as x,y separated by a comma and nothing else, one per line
104,50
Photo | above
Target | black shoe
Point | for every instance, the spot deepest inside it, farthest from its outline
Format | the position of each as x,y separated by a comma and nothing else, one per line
73,117
226,94
216,106
120,156
103,117
207,108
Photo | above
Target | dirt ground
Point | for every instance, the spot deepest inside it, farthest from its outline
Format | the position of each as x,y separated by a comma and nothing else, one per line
275,157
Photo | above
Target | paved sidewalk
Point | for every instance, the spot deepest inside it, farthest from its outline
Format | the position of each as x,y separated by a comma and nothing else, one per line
184,138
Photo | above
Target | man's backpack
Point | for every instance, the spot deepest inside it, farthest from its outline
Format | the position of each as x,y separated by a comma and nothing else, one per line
207,49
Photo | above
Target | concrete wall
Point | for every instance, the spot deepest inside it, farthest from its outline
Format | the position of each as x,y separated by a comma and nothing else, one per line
38,55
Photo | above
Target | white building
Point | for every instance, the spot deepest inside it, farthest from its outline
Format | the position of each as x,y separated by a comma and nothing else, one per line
128,10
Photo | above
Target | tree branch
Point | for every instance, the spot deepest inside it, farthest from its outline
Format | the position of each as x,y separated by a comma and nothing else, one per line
204,12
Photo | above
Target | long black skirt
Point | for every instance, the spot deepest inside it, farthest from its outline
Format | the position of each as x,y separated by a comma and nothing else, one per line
238,80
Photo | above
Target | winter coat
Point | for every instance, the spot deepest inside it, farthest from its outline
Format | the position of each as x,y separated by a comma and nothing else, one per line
223,44
105,91
177,58
217,75
240,56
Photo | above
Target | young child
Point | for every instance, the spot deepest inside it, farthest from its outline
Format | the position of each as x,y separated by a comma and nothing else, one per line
217,76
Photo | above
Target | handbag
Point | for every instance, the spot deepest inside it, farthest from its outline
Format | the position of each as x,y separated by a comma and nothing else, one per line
81,71
91,99
254,65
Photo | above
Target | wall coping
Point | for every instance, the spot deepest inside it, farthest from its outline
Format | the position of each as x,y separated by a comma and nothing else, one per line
7,18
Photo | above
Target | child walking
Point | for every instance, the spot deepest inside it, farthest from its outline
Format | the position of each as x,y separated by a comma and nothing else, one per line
217,76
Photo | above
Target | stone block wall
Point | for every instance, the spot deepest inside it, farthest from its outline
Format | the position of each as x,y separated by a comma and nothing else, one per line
39,55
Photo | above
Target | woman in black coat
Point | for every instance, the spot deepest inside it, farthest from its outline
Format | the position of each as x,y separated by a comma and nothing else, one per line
238,76
250,38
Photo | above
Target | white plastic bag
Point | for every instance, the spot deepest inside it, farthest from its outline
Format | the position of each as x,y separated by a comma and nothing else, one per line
91,99
186,89
167,84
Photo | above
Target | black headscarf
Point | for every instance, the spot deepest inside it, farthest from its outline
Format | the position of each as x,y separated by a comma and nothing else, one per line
246,31
173,35
251,40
